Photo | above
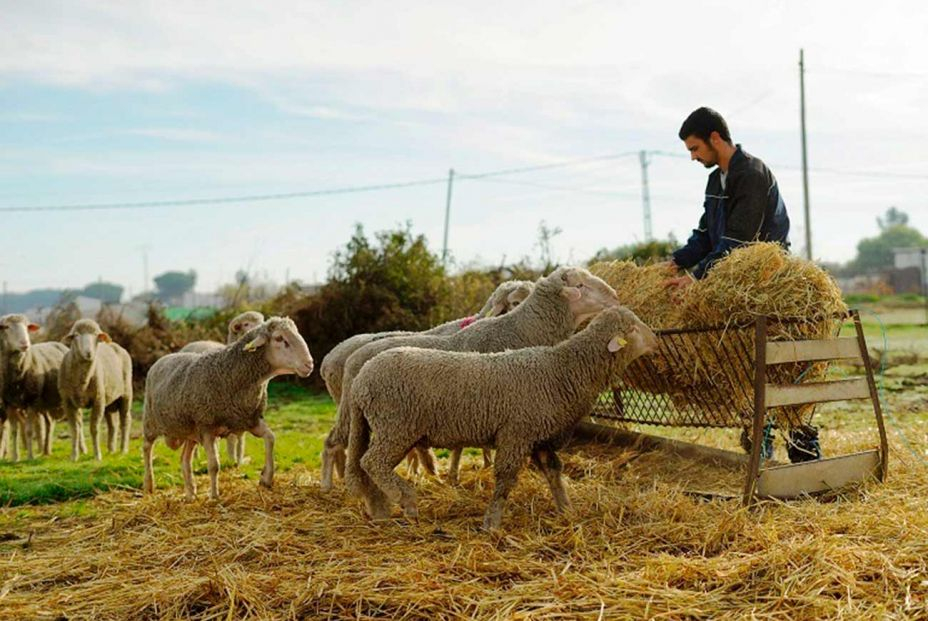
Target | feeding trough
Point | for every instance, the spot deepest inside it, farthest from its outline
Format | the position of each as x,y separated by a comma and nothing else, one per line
751,377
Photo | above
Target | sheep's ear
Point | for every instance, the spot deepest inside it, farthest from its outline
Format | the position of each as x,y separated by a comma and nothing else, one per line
497,309
237,327
103,337
617,343
68,338
32,327
571,293
256,343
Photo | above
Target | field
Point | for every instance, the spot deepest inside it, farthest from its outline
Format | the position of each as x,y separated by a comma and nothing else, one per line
649,535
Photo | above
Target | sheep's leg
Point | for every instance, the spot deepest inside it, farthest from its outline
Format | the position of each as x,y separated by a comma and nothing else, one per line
335,443
509,462
240,455
82,443
125,423
4,437
110,430
27,433
232,448
76,422
261,430
186,467
379,461
208,441
96,413
49,434
487,457
16,432
412,463
454,465
550,466
148,485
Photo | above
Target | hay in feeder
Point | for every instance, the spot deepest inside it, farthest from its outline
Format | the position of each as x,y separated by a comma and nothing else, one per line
714,370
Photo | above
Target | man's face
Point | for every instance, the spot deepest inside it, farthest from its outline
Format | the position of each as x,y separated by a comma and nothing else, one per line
702,151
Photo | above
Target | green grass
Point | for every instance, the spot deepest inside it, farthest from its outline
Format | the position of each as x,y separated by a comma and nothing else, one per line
299,419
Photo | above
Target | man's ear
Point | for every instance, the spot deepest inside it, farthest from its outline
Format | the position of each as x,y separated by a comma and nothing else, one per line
571,293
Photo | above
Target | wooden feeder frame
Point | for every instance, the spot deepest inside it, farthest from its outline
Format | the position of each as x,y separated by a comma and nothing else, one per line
647,394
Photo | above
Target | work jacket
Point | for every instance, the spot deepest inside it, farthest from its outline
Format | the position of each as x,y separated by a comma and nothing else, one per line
748,208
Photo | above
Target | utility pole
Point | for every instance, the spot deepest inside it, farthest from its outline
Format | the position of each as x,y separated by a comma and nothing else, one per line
805,164
924,251
444,248
645,195
145,284
4,298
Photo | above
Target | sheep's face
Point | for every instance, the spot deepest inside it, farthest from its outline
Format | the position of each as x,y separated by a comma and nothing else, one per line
518,295
242,324
586,294
284,347
84,338
628,336
14,333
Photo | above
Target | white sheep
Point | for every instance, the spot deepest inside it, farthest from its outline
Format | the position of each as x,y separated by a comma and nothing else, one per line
523,402
30,381
196,398
96,373
559,303
238,326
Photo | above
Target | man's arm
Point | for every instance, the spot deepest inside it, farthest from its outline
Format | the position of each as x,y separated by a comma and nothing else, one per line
747,204
697,246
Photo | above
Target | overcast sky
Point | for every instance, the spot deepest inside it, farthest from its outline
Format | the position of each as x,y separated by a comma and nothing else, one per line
122,102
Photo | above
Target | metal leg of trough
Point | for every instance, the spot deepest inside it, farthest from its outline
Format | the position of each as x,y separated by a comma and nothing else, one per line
874,396
760,407
619,404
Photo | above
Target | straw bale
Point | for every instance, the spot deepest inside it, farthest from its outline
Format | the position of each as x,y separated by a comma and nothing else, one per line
758,279
635,545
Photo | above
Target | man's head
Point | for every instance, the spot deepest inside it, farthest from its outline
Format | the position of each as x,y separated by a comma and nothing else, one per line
705,133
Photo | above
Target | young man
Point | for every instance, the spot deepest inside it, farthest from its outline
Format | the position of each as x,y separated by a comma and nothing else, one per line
742,204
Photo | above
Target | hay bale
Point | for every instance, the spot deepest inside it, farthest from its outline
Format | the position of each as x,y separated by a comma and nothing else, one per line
755,280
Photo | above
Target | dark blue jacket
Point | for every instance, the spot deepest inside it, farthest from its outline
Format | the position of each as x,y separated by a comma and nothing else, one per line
748,209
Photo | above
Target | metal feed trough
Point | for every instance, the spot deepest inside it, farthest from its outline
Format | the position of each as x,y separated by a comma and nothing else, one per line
734,377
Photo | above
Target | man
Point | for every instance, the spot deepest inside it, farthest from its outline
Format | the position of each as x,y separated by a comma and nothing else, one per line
742,204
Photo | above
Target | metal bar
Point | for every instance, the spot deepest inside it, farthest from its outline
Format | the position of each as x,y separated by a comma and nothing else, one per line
874,397
760,409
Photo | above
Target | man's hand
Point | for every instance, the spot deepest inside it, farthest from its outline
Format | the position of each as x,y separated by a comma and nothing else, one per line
679,283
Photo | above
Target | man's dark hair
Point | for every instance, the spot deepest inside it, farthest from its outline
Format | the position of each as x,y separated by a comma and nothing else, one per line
702,122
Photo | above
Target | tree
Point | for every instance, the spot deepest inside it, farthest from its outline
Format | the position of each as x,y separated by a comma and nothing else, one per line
106,292
641,252
545,235
875,253
172,285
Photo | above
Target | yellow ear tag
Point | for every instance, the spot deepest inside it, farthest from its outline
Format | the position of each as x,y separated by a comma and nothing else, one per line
251,346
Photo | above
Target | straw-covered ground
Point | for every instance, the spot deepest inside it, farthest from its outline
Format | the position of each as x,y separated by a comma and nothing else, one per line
638,543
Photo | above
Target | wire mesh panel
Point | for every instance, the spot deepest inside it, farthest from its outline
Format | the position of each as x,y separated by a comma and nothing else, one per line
705,378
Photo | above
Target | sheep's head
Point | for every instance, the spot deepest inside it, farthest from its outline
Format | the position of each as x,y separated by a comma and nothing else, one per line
84,337
284,348
623,335
14,333
242,324
505,297
586,294
520,291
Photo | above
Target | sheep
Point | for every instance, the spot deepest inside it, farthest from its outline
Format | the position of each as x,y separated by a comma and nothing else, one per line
238,325
30,379
559,303
504,298
96,373
195,398
524,402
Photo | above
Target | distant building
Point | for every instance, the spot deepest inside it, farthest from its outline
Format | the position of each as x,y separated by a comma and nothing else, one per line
911,259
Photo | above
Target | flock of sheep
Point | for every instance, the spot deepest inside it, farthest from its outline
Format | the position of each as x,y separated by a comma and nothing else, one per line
516,377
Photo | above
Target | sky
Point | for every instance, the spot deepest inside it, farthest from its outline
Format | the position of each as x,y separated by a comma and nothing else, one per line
138,102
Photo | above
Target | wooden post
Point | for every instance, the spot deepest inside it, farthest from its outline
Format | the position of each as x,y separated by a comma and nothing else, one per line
874,395
760,407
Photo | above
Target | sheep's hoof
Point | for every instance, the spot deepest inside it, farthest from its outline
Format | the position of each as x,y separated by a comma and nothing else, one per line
492,522
411,512
268,483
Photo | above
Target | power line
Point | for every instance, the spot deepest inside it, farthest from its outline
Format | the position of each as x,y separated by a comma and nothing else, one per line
309,193
562,188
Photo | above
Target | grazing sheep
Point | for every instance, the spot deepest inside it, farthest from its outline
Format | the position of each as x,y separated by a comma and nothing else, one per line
523,402
559,303
238,326
30,380
96,373
195,398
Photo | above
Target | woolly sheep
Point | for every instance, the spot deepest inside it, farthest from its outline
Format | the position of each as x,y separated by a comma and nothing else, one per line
523,402
238,326
30,380
96,373
559,303
195,398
